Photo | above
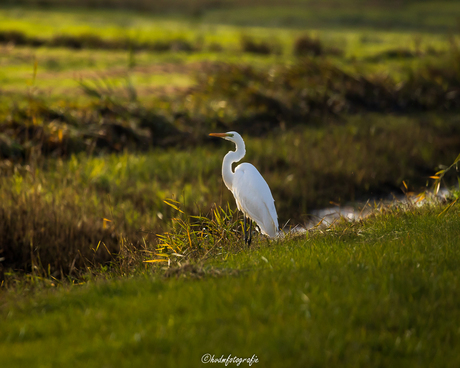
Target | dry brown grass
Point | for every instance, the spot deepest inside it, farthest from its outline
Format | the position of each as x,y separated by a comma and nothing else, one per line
51,238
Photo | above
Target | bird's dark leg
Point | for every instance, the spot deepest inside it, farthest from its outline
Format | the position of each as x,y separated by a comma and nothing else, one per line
244,229
250,232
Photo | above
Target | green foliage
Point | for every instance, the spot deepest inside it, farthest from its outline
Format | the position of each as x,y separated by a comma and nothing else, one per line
195,237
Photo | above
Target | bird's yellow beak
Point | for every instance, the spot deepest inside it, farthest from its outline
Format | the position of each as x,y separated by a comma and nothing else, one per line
220,135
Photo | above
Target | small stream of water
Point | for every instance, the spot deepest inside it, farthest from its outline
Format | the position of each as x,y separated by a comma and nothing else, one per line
325,217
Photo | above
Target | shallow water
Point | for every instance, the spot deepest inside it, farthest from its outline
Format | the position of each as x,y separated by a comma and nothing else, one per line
325,217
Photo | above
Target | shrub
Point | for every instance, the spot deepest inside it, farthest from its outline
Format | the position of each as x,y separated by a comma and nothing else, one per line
307,46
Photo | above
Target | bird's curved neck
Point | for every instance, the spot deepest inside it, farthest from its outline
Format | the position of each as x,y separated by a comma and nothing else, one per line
229,159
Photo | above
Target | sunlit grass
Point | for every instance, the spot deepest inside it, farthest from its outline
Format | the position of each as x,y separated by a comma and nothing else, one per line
65,65
379,292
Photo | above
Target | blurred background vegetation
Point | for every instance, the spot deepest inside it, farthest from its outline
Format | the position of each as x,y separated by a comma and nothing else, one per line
106,106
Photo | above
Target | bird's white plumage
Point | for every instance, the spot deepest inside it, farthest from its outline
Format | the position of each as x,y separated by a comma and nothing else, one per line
252,193
254,198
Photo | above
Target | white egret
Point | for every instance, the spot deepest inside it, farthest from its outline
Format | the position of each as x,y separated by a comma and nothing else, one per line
252,194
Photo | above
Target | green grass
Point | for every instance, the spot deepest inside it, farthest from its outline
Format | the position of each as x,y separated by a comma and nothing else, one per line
383,292
62,68
431,16
84,181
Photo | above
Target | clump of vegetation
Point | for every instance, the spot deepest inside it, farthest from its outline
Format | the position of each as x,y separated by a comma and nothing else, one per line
250,45
45,237
194,237
439,176
93,41
307,46
106,125
399,53
13,37
89,41
256,101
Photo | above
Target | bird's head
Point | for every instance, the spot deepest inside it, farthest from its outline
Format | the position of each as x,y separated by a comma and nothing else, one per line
229,136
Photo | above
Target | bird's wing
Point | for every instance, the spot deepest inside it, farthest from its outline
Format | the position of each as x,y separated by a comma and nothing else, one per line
254,198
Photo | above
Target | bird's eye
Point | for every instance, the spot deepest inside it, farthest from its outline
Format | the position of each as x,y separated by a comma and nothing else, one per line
230,135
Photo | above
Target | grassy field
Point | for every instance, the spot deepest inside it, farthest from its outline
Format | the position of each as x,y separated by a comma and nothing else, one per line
383,292
106,163
202,40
